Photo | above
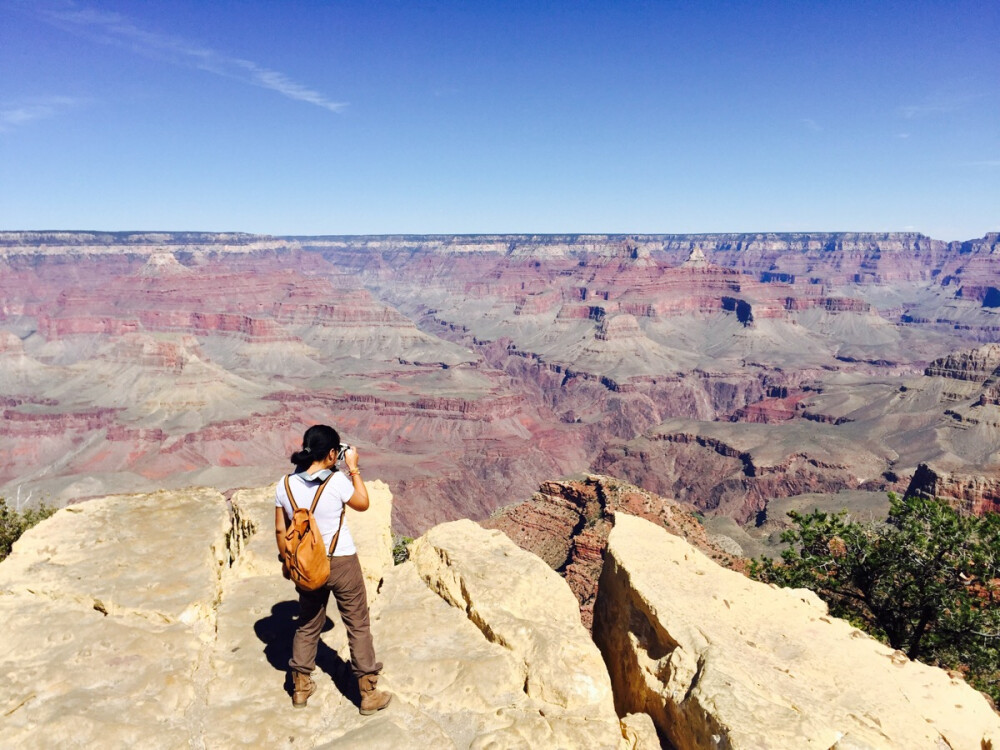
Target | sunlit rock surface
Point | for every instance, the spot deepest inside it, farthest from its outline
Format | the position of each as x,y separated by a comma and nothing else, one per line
720,661
162,621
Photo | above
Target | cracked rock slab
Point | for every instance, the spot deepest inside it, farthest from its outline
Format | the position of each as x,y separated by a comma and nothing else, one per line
519,603
158,556
189,647
720,661
72,677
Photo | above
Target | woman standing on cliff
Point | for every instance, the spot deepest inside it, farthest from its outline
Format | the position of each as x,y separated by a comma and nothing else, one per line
314,465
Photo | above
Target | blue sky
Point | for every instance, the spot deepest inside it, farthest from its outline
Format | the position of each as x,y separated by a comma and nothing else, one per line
462,117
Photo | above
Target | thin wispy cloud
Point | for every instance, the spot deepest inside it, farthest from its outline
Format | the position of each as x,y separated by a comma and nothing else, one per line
984,163
811,124
938,105
17,113
115,29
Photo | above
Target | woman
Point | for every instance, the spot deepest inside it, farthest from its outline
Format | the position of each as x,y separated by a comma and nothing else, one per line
314,464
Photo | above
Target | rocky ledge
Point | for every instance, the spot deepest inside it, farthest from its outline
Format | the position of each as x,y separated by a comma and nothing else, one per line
163,621
720,661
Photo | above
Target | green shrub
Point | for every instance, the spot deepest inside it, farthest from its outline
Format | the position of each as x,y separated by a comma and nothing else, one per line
400,549
926,581
14,523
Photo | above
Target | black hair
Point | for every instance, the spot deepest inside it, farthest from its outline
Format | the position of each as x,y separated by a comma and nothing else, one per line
317,442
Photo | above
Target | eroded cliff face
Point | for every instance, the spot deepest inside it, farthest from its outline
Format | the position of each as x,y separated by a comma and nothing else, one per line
567,523
163,621
469,369
844,435
974,493
720,661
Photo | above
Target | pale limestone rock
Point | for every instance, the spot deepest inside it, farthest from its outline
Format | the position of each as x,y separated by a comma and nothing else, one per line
107,621
521,604
193,649
696,259
517,601
640,732
720,661
110,554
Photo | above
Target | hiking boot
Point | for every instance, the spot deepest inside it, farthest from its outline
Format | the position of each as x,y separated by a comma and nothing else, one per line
302,687
372,700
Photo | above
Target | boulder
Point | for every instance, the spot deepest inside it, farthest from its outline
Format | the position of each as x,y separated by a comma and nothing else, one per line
109,610
720,661
526,609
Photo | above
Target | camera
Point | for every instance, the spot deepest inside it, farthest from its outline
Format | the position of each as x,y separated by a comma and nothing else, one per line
344,447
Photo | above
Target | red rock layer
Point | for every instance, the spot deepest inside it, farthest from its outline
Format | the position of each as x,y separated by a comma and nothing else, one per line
974,493
721,480
770,410
567,523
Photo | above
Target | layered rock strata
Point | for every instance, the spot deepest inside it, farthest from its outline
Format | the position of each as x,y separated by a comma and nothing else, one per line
720,661
172,364
567,523
974,493
163,621
735,470
468,369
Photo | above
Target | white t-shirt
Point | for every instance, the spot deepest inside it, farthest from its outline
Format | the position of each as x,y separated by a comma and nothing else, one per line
338,491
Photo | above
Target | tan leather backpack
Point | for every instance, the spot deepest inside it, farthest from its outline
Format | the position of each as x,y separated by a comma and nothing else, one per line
306,558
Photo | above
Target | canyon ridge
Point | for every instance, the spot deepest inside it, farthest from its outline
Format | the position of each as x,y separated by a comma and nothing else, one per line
740,375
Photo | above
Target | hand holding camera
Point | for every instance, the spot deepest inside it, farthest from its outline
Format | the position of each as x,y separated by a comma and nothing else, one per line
349,455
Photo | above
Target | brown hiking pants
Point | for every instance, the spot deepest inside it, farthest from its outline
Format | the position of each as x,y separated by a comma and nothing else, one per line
348,587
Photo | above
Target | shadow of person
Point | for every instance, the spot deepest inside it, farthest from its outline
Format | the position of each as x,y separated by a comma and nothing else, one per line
276,630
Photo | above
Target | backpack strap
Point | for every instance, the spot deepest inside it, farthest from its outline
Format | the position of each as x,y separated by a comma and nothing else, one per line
319,491
333,544
291,497
312,509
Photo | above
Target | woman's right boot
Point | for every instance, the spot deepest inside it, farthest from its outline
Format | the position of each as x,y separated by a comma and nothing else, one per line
372,700
302,687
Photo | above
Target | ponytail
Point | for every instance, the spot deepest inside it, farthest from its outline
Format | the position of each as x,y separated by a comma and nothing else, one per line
317,442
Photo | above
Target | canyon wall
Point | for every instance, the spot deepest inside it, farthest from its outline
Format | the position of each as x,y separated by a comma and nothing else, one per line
468,369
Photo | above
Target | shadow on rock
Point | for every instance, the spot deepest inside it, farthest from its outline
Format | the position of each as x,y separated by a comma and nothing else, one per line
276,631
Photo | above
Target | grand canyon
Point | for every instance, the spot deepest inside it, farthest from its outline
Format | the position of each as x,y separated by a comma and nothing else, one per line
740,375
628,418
